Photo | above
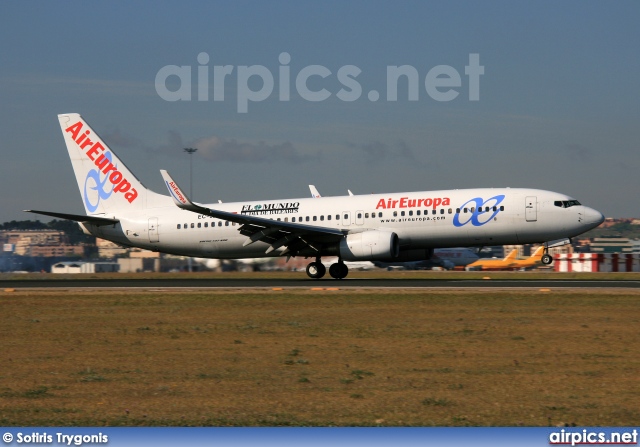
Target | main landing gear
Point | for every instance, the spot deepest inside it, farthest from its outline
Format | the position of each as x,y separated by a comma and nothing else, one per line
316,269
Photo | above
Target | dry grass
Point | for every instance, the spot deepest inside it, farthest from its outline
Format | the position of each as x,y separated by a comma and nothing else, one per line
301,357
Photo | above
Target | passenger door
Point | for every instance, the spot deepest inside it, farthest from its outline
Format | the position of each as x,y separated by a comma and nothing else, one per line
531,208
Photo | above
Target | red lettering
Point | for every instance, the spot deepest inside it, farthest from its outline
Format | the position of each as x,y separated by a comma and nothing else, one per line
446,201
82,137
395,202
115,177
381,204
412,203
110,167
123,186
131,195
437,202
75,129
85,144
101,162
428,202
420,202
403,202
94,150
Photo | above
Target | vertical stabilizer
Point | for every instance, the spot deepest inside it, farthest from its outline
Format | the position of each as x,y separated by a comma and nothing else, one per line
105,183
511,256
537,255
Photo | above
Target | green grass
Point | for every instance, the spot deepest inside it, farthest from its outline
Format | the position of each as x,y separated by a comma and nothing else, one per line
354,358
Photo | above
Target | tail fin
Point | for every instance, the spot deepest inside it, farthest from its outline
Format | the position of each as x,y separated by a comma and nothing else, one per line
314,192
511,256
537,255
105,183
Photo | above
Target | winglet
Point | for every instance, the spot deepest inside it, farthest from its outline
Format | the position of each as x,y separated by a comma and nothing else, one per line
314,192
178,196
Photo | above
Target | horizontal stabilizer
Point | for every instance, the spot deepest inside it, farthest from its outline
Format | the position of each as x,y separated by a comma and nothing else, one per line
99,221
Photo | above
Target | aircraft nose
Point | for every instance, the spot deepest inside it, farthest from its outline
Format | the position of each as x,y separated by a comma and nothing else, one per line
592,217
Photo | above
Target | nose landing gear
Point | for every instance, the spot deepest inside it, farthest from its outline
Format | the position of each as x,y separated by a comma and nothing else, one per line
546,258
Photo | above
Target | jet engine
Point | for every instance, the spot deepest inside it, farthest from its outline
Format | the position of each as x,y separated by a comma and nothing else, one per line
369,245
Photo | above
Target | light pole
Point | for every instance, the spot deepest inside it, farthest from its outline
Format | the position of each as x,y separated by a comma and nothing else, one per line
190,151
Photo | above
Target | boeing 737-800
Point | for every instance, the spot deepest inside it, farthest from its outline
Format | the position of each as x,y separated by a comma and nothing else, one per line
375,227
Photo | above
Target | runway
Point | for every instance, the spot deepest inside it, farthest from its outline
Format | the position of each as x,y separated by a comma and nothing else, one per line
194,283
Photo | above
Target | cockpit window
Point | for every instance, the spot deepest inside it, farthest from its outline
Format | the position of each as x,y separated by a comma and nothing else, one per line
566,203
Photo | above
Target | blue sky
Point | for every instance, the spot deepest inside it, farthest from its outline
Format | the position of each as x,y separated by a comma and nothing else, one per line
558,108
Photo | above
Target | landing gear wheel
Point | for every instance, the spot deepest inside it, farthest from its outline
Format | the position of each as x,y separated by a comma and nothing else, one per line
316,270
546,259
338,270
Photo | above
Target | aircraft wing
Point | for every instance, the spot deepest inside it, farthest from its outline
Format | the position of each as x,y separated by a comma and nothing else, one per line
293,236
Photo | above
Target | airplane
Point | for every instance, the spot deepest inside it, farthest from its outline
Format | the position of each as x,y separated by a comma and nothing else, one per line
394,227
510,262
494,263
447,258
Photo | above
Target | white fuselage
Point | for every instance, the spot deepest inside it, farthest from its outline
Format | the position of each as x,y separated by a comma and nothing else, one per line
422,220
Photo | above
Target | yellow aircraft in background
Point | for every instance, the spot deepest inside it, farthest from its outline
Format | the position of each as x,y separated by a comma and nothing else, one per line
509,262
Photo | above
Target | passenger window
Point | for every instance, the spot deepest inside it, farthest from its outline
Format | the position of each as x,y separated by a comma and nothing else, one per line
329,217
465,210
307,218
473,208
315,218
206,224
199,225
457,210
322,218
293,219
450,211
226,223
495,208
417,212
433,212
486,209
395,214
380,214
346,216
278,219
192,226
220,223
402,213
359,215
410,213
233,223
501,207
178,226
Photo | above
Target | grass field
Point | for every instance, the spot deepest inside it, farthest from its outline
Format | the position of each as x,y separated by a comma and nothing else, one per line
302,357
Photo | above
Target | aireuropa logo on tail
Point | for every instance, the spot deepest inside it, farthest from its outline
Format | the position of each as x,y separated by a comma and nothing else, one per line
103,161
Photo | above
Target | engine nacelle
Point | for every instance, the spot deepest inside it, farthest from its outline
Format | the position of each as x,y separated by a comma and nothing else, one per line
369,246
